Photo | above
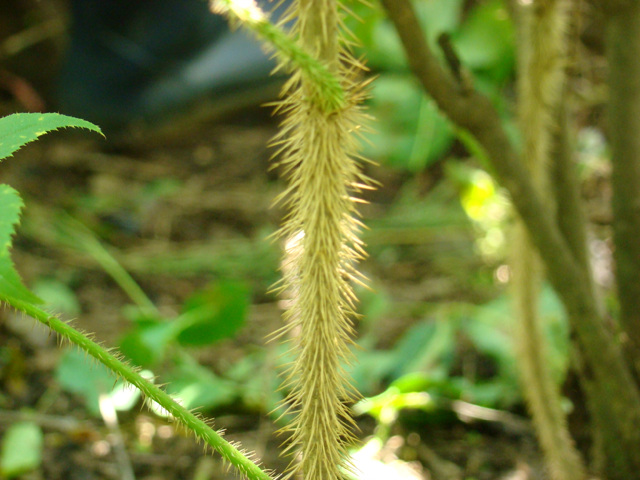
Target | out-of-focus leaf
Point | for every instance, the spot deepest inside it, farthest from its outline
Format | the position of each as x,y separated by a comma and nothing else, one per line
485,204
384,49
413,382
215,313
146,344
491,331
371,368
415,134
21,449
556,332
485,41
57,295
425,347
125,396
85,377
439,16
257,378
198,387
375,302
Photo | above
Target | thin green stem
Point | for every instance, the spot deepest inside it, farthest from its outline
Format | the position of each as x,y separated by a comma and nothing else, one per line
198,426
83,238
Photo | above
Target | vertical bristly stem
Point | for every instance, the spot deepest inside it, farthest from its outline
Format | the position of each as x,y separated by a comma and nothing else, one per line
319,159
544,25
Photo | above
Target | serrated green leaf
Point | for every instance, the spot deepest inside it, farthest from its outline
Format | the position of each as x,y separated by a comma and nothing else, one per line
21,128
10,283
21,449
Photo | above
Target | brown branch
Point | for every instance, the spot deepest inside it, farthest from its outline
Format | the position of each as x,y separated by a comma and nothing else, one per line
450,55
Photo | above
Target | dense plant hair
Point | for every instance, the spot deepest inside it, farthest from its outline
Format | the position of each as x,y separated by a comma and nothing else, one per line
318,155
544,24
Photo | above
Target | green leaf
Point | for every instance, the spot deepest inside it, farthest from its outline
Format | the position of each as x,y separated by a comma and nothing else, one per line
379,39
10,283
367,374
147,343
125,396
198,387
213,314
21,449
21,128
427,346
82,375
491,332
416,133
257,380
439,16
486,40
57,295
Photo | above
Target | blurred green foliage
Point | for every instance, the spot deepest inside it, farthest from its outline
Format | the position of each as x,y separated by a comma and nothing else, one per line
21,450
410,133
213,313
486,206
454,349
154,341
459,351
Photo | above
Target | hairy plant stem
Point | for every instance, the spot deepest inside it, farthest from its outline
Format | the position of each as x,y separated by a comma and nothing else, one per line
319,158
184,417
615,6
623,54
542,63
571,220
